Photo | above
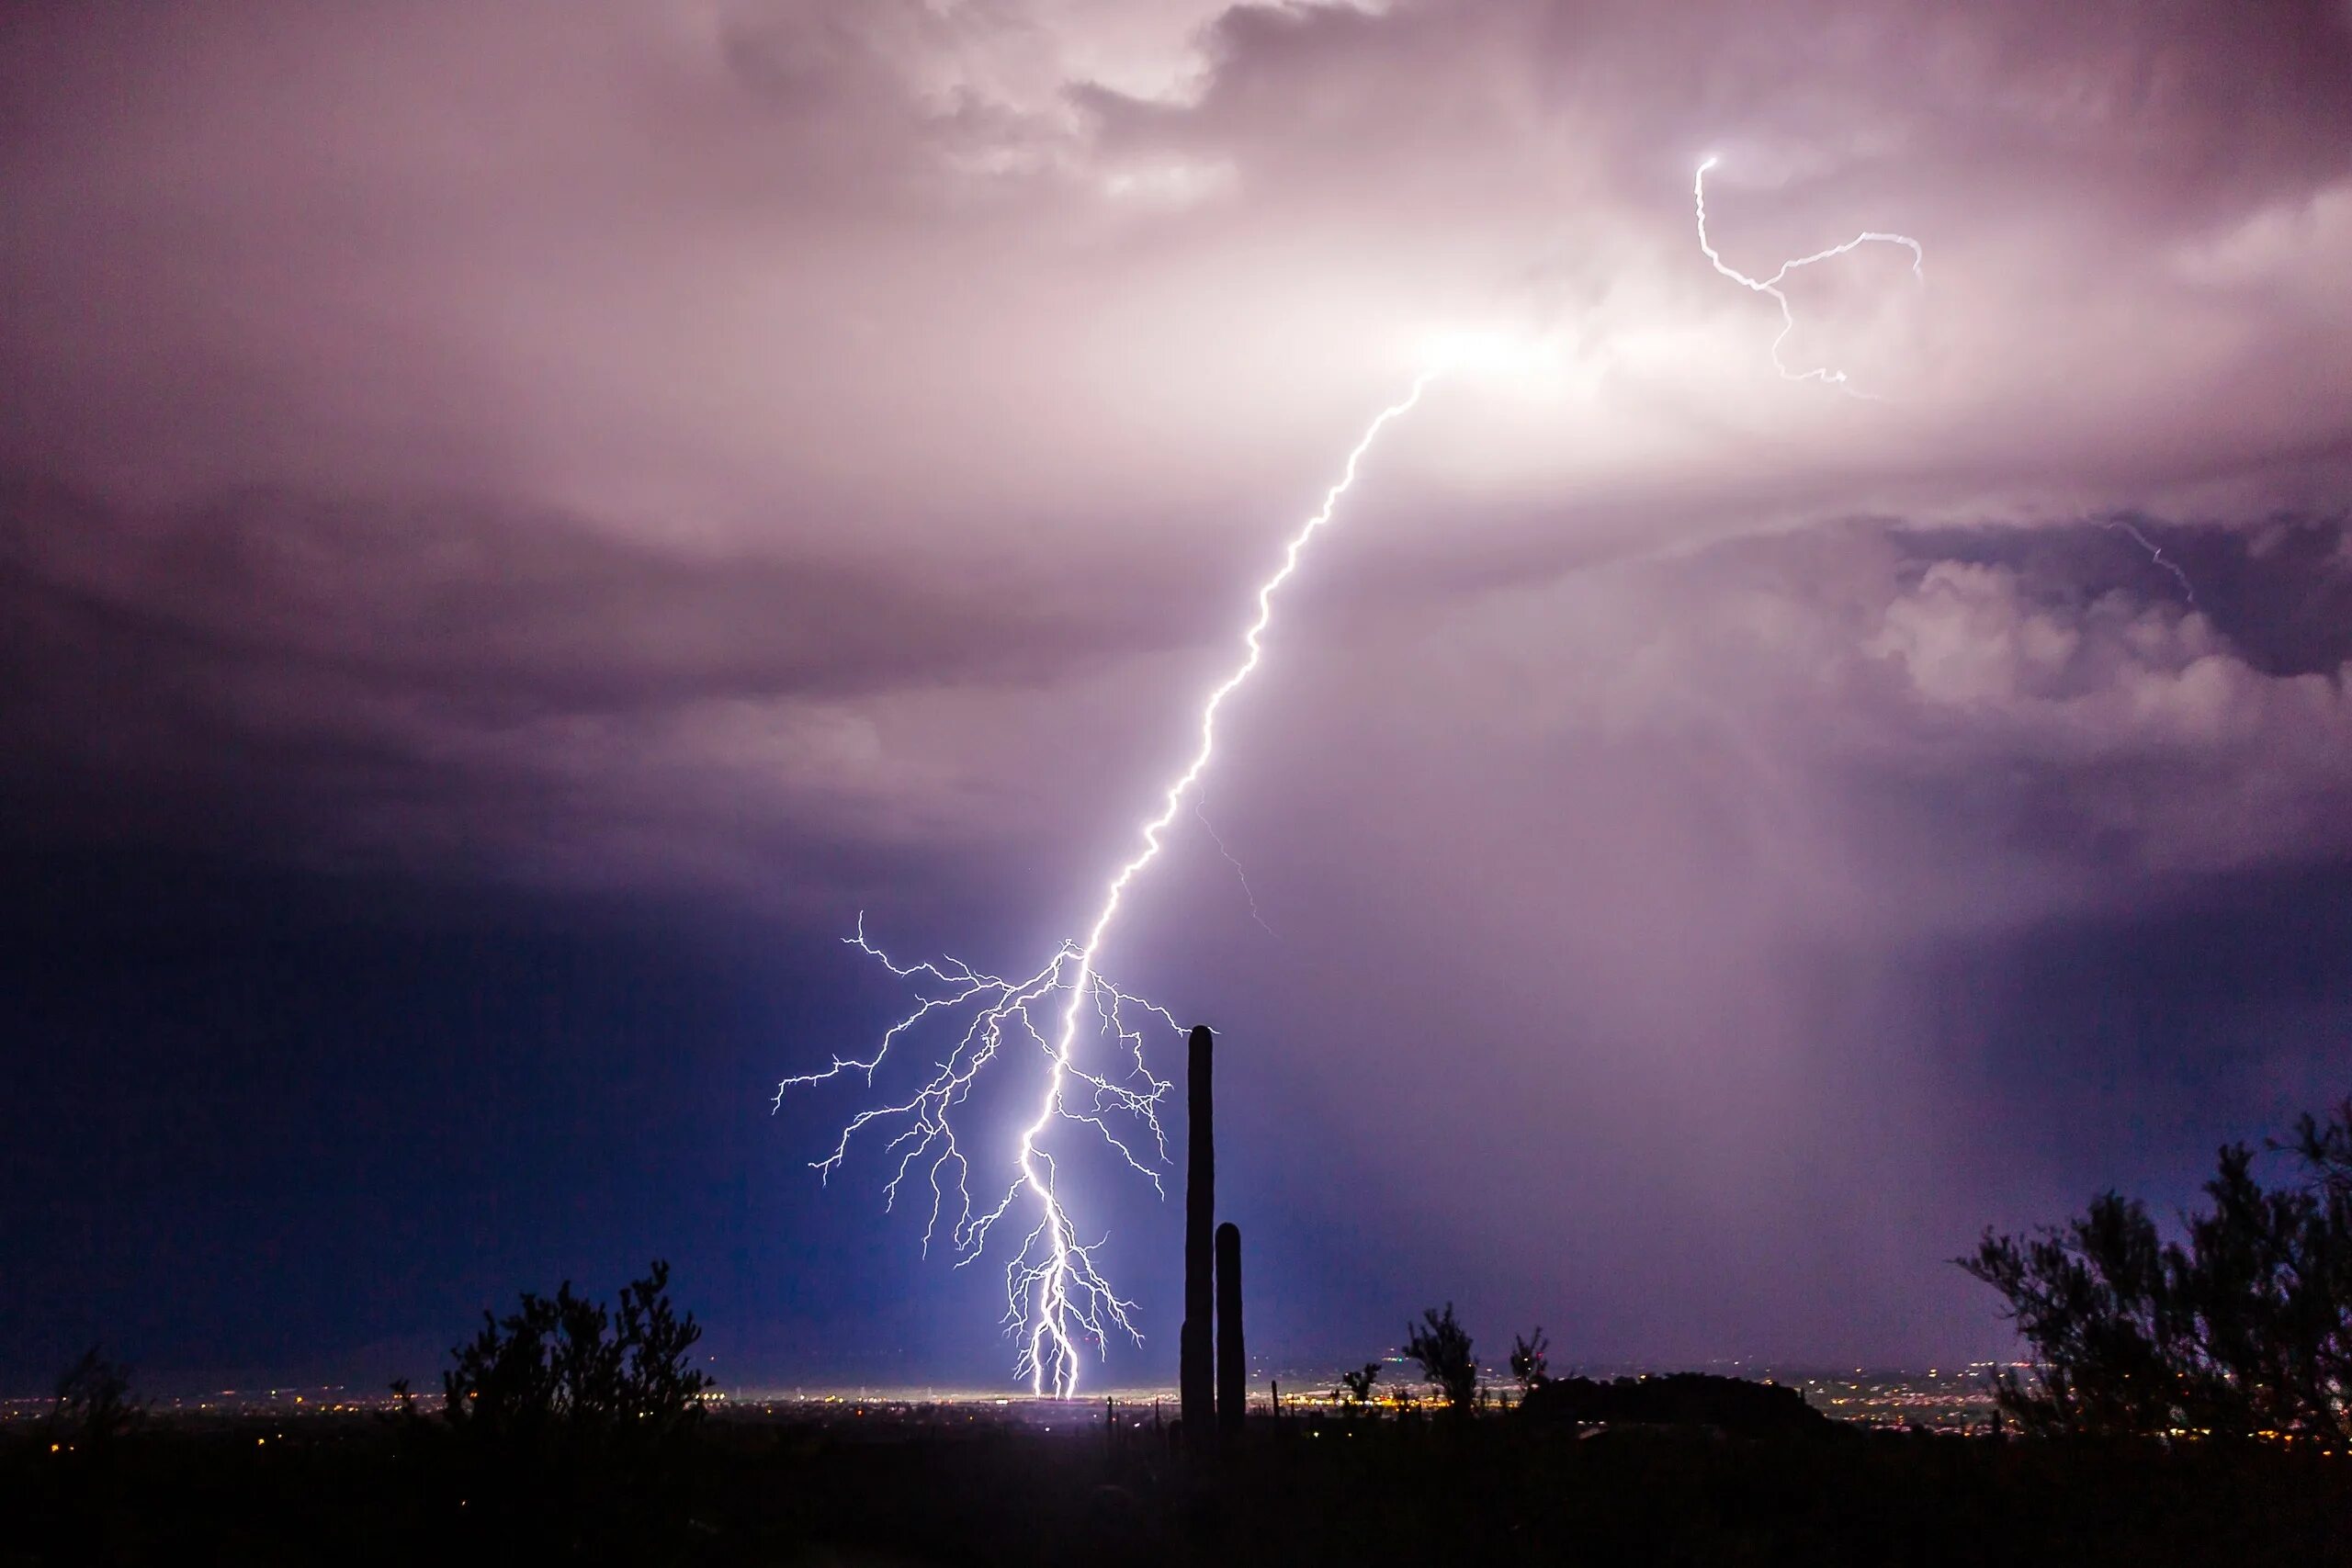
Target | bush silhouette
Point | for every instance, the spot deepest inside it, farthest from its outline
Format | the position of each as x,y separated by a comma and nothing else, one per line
2245,1330
565,1364
562,1427
93,1404
1443,1348
1355,1388
1530,1364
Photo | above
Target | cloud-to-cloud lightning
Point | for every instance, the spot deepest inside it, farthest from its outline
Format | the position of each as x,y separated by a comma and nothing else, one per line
1056,1297
1771,286
2156,556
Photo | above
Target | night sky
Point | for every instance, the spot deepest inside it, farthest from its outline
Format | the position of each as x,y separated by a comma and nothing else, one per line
518,523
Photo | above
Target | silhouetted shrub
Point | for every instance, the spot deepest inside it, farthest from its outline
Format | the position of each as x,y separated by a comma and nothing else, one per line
562,1428
1443,1348
2245,1330
566,1365
1528,1363
1355,1388
93,1404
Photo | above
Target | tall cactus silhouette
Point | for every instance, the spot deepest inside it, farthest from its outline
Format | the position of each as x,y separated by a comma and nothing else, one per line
1196,1379
1232,1359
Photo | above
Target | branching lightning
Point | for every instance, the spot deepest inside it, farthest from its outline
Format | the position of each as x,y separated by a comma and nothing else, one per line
1201,810
1052,1285
1056,1298
1056,1295
1771,286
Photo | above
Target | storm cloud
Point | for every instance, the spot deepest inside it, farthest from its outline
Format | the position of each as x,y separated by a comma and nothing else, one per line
793,458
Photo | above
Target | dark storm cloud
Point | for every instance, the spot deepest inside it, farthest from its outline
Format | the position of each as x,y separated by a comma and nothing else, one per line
786,353
377,673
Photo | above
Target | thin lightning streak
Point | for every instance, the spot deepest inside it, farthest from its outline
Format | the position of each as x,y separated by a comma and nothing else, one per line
2156,555
1771,286
1054,1293
1201,810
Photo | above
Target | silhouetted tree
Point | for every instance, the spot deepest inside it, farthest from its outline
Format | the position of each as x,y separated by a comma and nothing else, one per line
1355,1388
565,1364
93,1404
1443,1348
562,1428
2324,1147
1527,1363
2245,1326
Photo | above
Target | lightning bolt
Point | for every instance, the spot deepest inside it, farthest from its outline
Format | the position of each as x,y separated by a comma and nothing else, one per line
1056,1295
1201,810
2156,555
1771,286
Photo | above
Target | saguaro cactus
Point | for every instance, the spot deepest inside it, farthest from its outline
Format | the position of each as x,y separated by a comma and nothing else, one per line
1232,1360
1196,1379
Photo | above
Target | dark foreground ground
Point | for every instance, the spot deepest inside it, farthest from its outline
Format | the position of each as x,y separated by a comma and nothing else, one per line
901,1490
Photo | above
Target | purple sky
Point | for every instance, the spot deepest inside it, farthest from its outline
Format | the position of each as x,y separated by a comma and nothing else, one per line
693,471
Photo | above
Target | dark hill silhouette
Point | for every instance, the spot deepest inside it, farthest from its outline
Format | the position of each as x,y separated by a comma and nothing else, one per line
1680,1399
